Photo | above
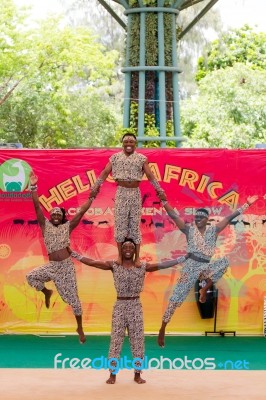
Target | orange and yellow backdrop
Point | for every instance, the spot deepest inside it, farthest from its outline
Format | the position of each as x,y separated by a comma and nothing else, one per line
218,179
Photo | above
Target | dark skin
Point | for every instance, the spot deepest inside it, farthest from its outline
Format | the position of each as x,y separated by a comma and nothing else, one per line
201,224
62,254
129,144
128,254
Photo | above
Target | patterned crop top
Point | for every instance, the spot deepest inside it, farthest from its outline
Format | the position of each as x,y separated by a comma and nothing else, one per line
127,168
56,237
128,281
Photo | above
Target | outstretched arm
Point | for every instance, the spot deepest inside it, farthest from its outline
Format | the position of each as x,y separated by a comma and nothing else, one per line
105,265
35,198
222,224
76,220
151,177
180,223
165,264
101,178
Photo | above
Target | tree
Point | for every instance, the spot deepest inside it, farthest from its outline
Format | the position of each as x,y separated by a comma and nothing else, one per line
55,81
237,46
192,44
229,110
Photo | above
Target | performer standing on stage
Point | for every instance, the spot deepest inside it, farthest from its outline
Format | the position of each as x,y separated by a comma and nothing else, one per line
60,269
127,168
201,246
127,311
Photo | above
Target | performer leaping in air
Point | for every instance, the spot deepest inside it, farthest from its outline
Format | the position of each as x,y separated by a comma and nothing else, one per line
127,168
60,269
201,241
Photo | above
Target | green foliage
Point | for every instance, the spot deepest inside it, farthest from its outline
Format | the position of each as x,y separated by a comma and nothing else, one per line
168,39
237,46
229,110
57,84
151,39
150,128
135,40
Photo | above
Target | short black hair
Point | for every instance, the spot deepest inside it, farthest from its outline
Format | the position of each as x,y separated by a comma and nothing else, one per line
204,211
129,134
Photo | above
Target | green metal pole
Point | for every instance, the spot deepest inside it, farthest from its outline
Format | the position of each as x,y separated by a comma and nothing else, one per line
161,62
176,110
126,117
141,102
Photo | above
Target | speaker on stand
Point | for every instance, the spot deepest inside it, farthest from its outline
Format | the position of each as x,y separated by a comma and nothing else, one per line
210,307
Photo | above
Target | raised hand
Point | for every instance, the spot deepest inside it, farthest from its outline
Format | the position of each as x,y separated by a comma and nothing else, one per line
33,178
252,199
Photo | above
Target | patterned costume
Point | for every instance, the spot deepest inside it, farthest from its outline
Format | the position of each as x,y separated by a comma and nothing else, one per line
201,248
127,313
62,273
128,204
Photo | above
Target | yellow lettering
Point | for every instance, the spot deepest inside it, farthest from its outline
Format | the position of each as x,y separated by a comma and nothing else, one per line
66,189
110,179
79,185
231,199
189,177
92,177
171,172
212,187
203,183
155,170
46,201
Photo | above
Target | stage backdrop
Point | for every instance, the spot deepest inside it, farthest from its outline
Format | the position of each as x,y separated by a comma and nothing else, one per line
218,179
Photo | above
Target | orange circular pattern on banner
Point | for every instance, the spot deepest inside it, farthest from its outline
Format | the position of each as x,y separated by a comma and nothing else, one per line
5,250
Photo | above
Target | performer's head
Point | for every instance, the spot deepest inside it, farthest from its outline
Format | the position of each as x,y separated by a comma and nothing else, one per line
201,216
129,142
58,216
128,249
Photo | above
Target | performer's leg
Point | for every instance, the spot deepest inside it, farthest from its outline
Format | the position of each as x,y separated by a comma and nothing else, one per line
188,277
214,272
134,231
117,338
66,284
121,217
36,279
136,335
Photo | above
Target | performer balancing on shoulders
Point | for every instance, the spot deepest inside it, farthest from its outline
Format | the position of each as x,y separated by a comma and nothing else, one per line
201,240
60,269
127,168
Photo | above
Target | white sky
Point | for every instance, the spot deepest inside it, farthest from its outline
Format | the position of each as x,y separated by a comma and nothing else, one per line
235,13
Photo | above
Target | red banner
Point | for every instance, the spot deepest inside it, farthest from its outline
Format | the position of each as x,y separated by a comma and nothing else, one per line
220,180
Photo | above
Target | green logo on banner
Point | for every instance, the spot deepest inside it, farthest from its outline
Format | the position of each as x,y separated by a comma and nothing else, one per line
14,175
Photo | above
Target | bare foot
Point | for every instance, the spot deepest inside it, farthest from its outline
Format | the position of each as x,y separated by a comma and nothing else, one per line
82,337
160,338
202,296
138,379
48,293
111,379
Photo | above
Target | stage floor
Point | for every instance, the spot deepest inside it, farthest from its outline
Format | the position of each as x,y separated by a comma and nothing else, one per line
188,368
48,384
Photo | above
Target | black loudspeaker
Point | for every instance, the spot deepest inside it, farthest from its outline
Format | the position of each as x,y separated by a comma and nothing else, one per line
207,309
